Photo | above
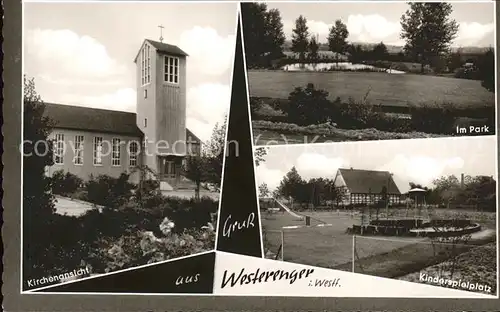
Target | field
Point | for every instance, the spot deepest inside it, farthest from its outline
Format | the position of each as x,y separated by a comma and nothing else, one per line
386,89
331,246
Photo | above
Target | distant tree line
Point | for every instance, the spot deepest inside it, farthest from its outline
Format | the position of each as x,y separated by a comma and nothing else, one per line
427,29
477,192
448,191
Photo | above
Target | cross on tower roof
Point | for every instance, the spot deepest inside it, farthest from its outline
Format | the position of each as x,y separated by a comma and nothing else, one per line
161,32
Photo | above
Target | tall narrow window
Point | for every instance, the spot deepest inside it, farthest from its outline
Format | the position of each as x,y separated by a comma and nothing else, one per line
78,159
97,151
133,150
145,122
170,169
59,149
171,69
115,157
145,65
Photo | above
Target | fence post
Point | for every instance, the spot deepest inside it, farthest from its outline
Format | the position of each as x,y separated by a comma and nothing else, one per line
282,245
353,251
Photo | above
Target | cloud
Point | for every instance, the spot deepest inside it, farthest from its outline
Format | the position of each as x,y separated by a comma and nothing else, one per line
209,53
312,165
121,100
421,169
66,54
371,28
206,105
475,33
319,28
272,177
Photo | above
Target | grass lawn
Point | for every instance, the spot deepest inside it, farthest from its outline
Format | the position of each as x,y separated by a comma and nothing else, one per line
387,89
331,246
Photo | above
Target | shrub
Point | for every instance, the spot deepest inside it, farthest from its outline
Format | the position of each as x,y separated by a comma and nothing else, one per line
255,105
108,191
438,119
146,189
464,73
308,106
354,115
143,247
65,183
487,70
385,122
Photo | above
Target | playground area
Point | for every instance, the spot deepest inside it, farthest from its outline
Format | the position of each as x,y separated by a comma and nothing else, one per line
322,238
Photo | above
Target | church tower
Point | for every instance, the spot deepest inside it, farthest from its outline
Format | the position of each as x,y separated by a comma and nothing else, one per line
161,108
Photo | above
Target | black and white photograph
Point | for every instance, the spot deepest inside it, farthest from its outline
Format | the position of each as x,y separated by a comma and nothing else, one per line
417,210
125,114
360,71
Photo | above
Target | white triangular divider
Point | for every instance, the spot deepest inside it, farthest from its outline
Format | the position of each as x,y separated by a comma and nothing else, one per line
246,276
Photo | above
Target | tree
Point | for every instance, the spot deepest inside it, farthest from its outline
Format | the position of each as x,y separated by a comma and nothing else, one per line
486,67
356,53
480,191
260,153
380,52
197,169
264,190
313,48
337,38
38,201
454,61
254,30
214,153
428,30
274,35
447,188
300,37
262,32
291,185
207,167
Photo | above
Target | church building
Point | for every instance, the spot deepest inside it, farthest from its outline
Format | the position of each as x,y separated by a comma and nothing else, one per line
89,141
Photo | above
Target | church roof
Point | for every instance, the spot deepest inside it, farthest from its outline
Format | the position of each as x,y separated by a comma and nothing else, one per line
162,47
167,48
366,181
92,119
96,120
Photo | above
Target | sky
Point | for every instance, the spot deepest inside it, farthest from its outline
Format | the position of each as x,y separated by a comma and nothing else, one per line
376,22
416,160
83,53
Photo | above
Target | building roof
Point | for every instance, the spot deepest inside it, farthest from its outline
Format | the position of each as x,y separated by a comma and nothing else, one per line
95,120
163,47
92,119
366,181
167,48
191,136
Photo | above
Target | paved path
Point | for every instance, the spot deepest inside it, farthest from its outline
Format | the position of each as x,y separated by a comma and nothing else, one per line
71,207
